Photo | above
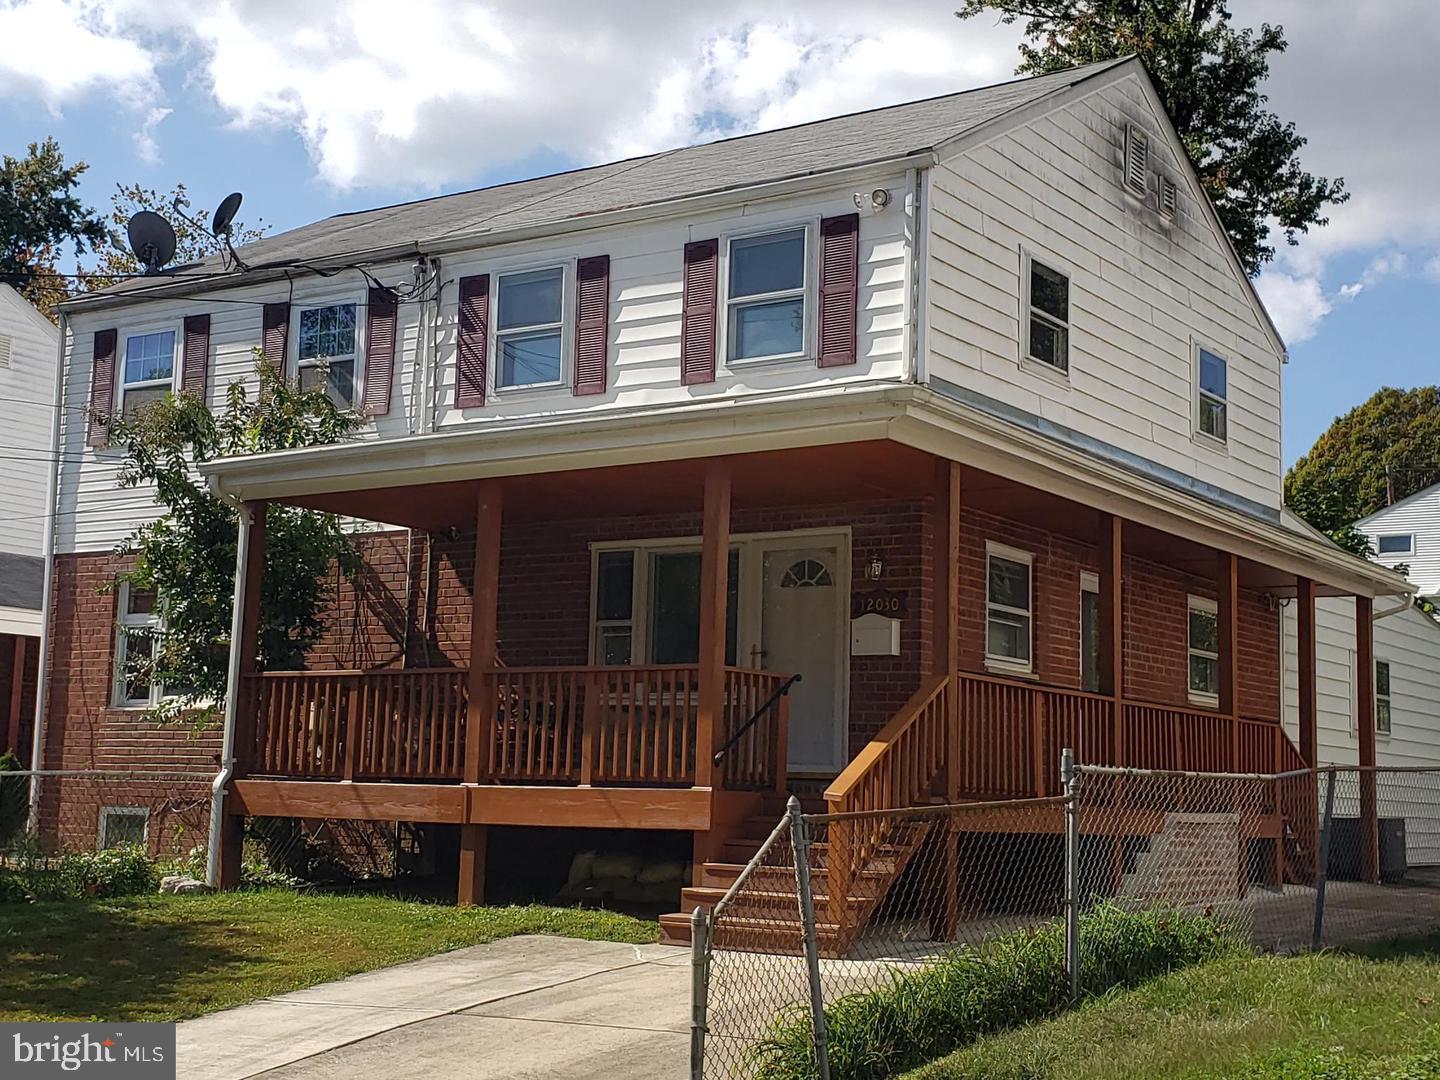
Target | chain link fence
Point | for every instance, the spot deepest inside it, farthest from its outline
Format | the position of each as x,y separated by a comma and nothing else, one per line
839,918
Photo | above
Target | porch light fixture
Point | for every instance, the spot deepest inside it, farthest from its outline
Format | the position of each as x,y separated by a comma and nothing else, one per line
874,568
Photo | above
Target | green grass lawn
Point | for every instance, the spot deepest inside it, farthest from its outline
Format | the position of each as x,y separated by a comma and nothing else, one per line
171,957
1335,1016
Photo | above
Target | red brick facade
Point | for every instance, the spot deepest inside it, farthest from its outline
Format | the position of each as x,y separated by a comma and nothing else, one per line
411,604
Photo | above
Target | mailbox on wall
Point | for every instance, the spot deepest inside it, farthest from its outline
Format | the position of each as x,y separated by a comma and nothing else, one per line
874,635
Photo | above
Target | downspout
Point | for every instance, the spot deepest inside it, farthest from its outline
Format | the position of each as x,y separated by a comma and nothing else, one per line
915,366
232,696
1405,605
52,496
429,350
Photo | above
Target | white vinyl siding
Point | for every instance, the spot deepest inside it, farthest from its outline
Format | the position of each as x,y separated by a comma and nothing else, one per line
1414,525
27,388
1140,294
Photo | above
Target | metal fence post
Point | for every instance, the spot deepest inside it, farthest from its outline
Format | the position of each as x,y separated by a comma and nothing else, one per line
1322,868
800,842
1069,779
699,990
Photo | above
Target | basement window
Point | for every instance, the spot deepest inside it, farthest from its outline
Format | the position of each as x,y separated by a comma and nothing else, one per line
1009,608
1204,651
1382,697
122,825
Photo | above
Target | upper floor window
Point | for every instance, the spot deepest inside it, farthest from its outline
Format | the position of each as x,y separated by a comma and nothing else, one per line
138,623
528,326
1382,697
766,297
149,370
1008,608
1204,650
1395,544
1048,300
327,351
1213,395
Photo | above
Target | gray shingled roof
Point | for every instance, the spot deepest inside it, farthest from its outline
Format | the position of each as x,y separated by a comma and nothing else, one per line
745,161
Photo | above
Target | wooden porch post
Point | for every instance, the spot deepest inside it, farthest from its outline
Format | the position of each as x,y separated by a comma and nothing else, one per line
480,713
714,571
1305,668
1227,622
17,694
247,701
1365,725
1112,622
945,609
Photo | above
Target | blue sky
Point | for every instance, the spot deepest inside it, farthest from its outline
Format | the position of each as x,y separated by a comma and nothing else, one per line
316,109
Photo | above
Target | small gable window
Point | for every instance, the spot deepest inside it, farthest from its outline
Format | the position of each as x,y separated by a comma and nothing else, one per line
1395,544
766,297
1213,395
327,352
529,320
1048,337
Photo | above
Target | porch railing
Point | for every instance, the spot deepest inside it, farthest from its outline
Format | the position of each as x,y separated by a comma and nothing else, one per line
609,726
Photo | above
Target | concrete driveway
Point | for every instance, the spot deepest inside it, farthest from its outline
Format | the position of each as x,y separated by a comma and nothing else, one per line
523,1007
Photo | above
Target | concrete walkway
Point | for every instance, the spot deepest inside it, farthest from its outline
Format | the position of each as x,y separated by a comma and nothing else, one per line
523,1007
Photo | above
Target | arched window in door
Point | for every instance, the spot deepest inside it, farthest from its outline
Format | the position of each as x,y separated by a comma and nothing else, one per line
806,574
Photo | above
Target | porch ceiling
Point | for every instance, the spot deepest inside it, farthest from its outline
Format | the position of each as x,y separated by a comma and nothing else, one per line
804,476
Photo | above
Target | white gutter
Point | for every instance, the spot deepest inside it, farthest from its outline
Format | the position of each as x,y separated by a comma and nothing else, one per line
1405,605
52,497
232,700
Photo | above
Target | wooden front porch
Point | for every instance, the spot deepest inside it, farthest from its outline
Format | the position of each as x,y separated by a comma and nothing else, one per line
702,747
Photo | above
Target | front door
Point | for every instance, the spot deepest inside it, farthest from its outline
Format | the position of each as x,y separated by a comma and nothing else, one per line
802,632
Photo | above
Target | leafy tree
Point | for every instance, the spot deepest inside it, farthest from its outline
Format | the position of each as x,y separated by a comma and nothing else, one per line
187,557
1208,74
39,212
191,242
1378,452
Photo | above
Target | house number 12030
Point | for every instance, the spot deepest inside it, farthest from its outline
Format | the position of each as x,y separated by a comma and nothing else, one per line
880,602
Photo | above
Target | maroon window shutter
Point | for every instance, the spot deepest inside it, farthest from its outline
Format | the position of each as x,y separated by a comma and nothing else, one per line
379,351
698,310
102,387
275,330
470,355
592,323
839,289
196,364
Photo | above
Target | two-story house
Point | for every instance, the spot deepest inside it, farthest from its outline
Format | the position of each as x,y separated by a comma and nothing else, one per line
29,358
962,410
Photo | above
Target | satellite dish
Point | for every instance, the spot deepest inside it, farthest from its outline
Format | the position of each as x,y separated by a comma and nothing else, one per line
225,214
152,239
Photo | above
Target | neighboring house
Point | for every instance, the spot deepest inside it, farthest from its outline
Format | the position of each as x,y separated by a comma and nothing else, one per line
1406,683
964,410
29,350
1407,534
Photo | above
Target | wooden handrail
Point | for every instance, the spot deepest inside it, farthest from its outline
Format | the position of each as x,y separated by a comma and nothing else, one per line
845,785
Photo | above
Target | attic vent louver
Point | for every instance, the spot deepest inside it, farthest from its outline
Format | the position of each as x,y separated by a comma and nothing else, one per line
4,351
1137,161
1169,198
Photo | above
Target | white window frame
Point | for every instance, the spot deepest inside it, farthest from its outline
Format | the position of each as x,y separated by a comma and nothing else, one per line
123,347
565,327
1409,547
1008,664
107,812
1387,698
1213,441
361,302
1027,308
125,621
1209,607
808,293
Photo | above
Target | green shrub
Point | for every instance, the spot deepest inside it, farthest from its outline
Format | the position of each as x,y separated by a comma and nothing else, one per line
258,874
14,800
123,870
1017,978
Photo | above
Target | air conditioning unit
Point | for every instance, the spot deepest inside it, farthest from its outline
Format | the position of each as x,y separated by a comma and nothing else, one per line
1344,861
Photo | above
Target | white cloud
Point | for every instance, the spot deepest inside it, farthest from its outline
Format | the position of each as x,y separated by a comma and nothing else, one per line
1297,303
1379,268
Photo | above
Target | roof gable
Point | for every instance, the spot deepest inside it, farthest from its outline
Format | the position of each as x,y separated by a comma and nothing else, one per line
1399,504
